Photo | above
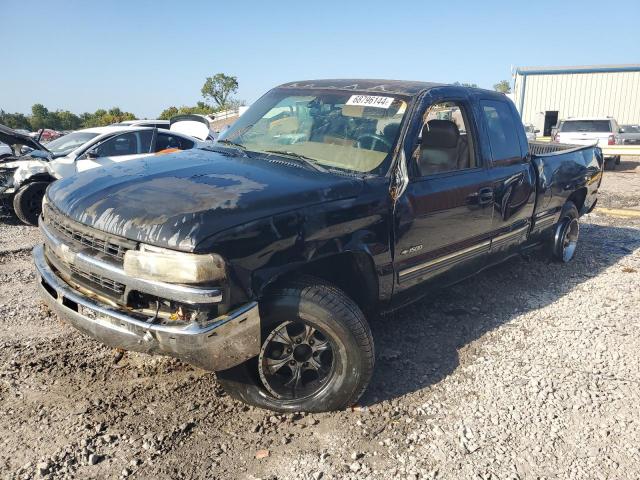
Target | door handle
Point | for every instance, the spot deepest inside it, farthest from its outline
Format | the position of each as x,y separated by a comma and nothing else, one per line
485,196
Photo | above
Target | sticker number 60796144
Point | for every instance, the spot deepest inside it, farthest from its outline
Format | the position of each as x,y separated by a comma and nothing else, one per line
370,101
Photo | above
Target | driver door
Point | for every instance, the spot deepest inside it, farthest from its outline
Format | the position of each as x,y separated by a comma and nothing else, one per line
119,148
443,220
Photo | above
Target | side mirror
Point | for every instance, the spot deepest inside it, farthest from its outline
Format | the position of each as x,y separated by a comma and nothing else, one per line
621,130
24,150
40,154
91,153
537,130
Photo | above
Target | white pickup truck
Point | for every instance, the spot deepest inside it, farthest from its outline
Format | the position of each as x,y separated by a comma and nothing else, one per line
600,131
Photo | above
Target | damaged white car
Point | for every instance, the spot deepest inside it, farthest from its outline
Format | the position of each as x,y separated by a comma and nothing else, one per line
25,175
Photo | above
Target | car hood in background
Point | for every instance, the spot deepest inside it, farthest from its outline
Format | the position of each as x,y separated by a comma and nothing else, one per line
12,138
176,201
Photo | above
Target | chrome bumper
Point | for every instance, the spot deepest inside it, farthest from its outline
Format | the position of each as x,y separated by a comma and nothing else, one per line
226,342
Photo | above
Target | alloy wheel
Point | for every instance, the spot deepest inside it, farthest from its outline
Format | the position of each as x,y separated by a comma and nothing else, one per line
296,360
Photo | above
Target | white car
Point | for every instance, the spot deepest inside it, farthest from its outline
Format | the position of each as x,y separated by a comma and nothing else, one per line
23,180
602,131
143,123
180,123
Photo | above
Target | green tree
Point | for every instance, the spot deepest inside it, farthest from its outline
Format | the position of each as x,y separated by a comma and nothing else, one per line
201,108
14,120
68,120
102,117
502,86
39,116
167,113
219,88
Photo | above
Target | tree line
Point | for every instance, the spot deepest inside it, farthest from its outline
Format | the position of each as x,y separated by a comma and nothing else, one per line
42,117
218,89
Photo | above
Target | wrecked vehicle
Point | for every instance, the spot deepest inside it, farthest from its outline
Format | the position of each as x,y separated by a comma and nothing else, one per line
25,175
328,201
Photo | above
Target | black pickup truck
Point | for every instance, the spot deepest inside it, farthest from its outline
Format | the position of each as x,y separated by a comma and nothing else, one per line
261,257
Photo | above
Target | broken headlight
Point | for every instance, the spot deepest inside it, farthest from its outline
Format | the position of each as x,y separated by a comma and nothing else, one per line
160,264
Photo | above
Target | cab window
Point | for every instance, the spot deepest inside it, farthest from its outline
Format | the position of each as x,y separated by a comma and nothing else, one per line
445,142
503,136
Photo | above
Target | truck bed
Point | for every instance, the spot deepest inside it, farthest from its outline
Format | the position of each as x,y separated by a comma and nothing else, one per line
545,148
565,172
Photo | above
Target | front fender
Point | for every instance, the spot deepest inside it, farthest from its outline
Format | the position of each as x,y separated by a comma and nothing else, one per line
27,170
260,252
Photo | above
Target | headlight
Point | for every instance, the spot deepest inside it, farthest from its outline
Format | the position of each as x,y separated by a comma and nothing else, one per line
163,265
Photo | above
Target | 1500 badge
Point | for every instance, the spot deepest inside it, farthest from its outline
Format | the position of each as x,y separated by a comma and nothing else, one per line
414,249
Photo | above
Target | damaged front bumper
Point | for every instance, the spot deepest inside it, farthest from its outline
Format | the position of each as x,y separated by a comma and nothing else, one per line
225,342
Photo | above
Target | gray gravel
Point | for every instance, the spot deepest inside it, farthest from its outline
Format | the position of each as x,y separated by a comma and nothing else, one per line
530,370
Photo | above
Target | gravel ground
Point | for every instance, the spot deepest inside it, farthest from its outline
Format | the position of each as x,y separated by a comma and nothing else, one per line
530,370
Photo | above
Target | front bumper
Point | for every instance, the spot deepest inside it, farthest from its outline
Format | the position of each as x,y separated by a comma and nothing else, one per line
225,342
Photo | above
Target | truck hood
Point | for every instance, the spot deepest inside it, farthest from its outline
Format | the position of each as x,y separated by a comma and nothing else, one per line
176,201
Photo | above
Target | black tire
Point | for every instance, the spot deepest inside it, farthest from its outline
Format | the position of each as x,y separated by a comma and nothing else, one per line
617,162
27,202
610,163
566,233
337,319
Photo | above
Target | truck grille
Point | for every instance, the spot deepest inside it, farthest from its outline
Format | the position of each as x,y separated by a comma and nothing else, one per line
103,282
87,237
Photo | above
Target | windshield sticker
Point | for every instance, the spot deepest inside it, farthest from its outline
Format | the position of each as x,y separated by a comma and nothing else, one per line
370,101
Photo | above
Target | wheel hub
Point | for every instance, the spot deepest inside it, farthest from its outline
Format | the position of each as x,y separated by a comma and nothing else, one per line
570,240
295,360
302,353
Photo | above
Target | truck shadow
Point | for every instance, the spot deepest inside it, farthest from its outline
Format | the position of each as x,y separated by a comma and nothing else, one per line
420,345
627,165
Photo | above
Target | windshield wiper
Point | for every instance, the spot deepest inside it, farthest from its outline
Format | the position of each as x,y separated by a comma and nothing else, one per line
307,160
224,141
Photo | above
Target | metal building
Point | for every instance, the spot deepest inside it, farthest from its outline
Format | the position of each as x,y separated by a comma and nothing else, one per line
544,95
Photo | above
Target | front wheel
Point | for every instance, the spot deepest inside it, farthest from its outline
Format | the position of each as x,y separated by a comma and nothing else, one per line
567,231
27,202
316,355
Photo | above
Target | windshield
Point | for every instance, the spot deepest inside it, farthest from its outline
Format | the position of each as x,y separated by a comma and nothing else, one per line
70,142
586,126
338,129
631,128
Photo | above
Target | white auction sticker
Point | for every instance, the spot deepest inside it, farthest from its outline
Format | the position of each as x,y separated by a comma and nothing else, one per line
370,101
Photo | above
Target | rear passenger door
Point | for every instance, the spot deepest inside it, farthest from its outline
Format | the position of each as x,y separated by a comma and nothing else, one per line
171,142
443,220
511,174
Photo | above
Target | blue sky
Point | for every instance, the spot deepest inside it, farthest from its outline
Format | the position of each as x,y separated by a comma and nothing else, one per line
146,55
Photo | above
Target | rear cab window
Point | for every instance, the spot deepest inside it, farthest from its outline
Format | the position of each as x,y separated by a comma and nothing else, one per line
602,126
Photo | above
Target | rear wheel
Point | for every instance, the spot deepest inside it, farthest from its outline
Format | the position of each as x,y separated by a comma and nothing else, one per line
27,202
316,355
567,231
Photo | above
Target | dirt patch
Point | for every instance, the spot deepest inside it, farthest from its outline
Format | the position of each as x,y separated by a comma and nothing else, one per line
529,370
